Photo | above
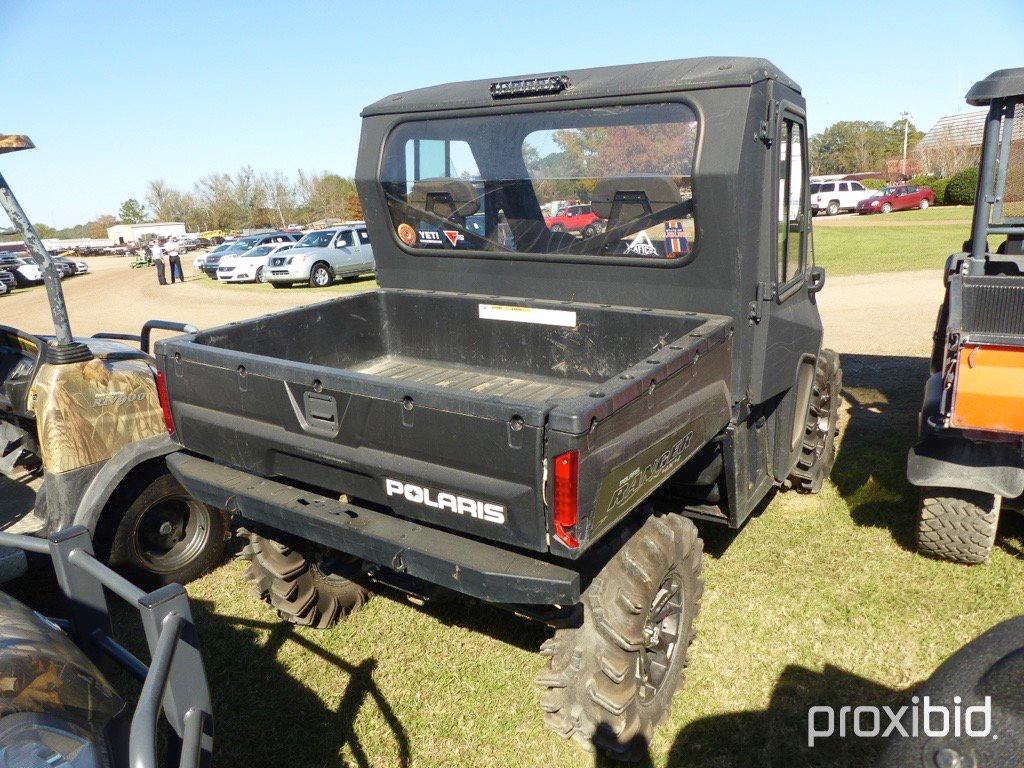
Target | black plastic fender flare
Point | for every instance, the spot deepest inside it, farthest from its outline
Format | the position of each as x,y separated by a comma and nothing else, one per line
953,461
112,474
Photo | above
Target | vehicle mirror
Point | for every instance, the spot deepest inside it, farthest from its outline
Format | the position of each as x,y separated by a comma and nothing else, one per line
815,279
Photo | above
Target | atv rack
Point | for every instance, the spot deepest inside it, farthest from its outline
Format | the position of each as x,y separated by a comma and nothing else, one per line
174,683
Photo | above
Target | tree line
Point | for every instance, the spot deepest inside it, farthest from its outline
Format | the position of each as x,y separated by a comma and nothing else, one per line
226,201
853,146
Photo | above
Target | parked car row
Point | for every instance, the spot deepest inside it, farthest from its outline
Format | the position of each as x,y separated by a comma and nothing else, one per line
834,197
19,272
284,259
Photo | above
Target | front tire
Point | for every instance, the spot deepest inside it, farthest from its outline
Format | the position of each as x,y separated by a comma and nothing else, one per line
260,276
164,535
320,276
957,524
304,584
610,680
818,446
886,208
557,228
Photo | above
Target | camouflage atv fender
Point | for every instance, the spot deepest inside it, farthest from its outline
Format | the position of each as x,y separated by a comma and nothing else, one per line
86,412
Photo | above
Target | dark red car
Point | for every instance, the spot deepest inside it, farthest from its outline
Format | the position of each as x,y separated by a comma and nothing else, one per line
575,218
897,199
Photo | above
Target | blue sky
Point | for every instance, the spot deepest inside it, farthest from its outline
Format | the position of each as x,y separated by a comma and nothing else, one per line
115,94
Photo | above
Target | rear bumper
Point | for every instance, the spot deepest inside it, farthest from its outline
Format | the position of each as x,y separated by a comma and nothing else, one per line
449,560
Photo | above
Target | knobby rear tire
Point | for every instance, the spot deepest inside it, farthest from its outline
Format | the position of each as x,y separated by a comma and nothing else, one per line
285,575
593,689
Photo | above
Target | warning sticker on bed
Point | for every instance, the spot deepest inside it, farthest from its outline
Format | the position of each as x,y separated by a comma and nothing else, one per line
537,315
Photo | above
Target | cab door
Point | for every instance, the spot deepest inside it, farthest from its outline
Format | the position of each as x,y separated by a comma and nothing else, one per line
792,330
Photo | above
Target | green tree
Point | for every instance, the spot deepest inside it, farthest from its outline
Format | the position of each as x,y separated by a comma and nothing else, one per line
132,212
853,146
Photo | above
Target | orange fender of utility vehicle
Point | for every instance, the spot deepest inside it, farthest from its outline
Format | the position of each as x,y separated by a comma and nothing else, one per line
989,393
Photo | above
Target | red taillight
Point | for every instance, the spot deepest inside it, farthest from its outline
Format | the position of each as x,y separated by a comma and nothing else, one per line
566,497
165,402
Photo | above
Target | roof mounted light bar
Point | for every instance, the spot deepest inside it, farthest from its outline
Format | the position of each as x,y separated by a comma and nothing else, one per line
534,86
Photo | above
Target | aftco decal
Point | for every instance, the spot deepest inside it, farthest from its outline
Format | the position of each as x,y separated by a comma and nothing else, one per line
460,505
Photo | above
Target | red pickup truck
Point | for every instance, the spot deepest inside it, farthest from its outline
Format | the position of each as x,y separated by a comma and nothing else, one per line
575,218
897,199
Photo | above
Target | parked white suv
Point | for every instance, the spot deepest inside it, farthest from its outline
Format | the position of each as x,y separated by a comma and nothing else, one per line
835,196
323,255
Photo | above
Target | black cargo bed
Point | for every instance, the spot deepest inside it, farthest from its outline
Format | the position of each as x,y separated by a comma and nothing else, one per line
452,392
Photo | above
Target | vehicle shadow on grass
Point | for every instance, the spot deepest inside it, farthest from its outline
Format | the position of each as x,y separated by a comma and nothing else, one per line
264,716
882,396
777,736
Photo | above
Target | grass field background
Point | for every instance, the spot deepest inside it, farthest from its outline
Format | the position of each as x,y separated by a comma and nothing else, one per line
895,242
817,600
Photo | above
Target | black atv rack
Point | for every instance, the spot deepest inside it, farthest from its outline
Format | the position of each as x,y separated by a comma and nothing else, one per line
174,683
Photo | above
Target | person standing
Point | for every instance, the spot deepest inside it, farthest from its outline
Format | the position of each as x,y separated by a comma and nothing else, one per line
156,252
174,260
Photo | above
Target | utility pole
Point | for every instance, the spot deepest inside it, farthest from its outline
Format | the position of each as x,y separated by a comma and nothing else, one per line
906,130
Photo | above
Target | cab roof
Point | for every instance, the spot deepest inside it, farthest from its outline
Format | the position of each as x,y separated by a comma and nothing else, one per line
622,80
1001,84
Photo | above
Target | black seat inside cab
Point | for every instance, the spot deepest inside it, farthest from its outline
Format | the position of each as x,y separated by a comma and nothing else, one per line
451,199
624,198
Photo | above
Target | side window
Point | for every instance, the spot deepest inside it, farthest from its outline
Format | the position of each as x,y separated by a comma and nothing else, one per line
792,203
344,239
828,187
364,236
857,187
844,187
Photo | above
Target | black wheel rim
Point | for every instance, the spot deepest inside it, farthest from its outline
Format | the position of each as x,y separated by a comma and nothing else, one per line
171,533
661,636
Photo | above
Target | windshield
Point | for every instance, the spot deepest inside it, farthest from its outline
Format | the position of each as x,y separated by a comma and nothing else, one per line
613,181
242,244
887,191
316,239
262,250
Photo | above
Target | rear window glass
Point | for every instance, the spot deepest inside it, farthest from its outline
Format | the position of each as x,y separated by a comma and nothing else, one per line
610,181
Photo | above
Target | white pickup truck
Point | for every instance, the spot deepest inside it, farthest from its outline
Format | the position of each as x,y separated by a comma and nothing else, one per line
832,197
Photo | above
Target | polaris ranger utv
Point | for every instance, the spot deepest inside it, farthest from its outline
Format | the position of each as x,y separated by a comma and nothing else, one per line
968,461
495,418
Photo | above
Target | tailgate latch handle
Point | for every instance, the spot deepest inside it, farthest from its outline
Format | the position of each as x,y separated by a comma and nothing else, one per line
321,413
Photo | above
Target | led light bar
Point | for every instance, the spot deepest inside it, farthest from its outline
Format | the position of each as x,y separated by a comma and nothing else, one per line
534,86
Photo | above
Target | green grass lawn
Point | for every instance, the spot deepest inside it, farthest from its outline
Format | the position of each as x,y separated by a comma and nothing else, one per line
906,240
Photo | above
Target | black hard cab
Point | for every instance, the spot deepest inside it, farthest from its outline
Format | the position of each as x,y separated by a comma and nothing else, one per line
527,416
